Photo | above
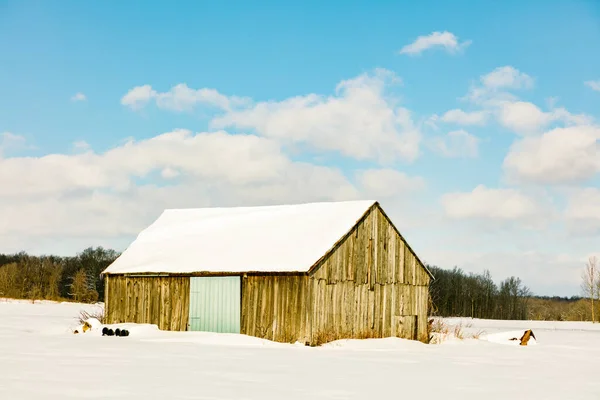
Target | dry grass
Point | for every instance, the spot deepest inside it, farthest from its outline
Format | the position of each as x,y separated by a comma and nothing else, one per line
458,332
438,326
439,330
98,313
478,334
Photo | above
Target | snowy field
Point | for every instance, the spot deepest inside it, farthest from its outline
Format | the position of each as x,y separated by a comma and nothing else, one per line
40,358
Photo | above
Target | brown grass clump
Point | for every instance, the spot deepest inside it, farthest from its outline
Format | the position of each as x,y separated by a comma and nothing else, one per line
439,330
84,315
458,331
477,334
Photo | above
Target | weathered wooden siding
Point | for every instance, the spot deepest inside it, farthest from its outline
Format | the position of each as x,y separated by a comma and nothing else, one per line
163,301
275,307
370,286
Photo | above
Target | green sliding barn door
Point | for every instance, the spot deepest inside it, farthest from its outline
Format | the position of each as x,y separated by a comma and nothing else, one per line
215,304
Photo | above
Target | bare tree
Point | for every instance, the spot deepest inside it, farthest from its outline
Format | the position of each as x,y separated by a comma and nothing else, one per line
79,286
591,283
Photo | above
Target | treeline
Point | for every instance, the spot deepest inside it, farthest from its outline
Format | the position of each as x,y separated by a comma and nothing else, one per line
455,293
76,278
560,309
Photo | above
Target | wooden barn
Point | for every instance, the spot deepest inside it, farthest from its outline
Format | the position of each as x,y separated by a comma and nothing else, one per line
311,273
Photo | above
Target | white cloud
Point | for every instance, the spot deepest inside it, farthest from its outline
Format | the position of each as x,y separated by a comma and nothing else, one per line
494,92
99,195
552,101
494,88
78,97
495,205
138,97
583,211
169,173
594,85
10,141
456,144
561,114
81,145
527,118
460,117
507,77
387,183
217,155
180,98
9,138
445,39
359,121
523,117
560,156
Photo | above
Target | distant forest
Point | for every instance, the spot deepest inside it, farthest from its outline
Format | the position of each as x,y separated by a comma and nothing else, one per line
75,278
454,293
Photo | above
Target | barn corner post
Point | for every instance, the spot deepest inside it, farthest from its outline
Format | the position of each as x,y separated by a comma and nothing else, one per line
106,298
243,317
111,303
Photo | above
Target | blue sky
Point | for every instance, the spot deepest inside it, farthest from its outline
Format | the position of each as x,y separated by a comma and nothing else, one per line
479,137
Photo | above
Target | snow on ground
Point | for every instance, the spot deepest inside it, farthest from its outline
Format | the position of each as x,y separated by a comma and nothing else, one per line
41,359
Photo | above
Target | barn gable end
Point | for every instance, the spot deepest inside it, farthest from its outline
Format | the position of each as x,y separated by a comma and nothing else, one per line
370,285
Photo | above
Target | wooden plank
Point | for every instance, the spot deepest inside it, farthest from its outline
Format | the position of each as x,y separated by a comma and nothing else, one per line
374,250
349,258
289,311
254,305
387,309
401,260
298,311
276,322
381,249
377,309
407,267
359,255
349,310
246,309
356,316
413,268
391,256
168,309
310,302
176,304
185,303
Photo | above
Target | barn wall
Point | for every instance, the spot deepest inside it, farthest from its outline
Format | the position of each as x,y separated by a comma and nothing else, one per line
370,286
163,301
276,307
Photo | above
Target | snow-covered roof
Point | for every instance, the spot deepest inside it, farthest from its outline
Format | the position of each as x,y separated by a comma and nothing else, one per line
284,238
